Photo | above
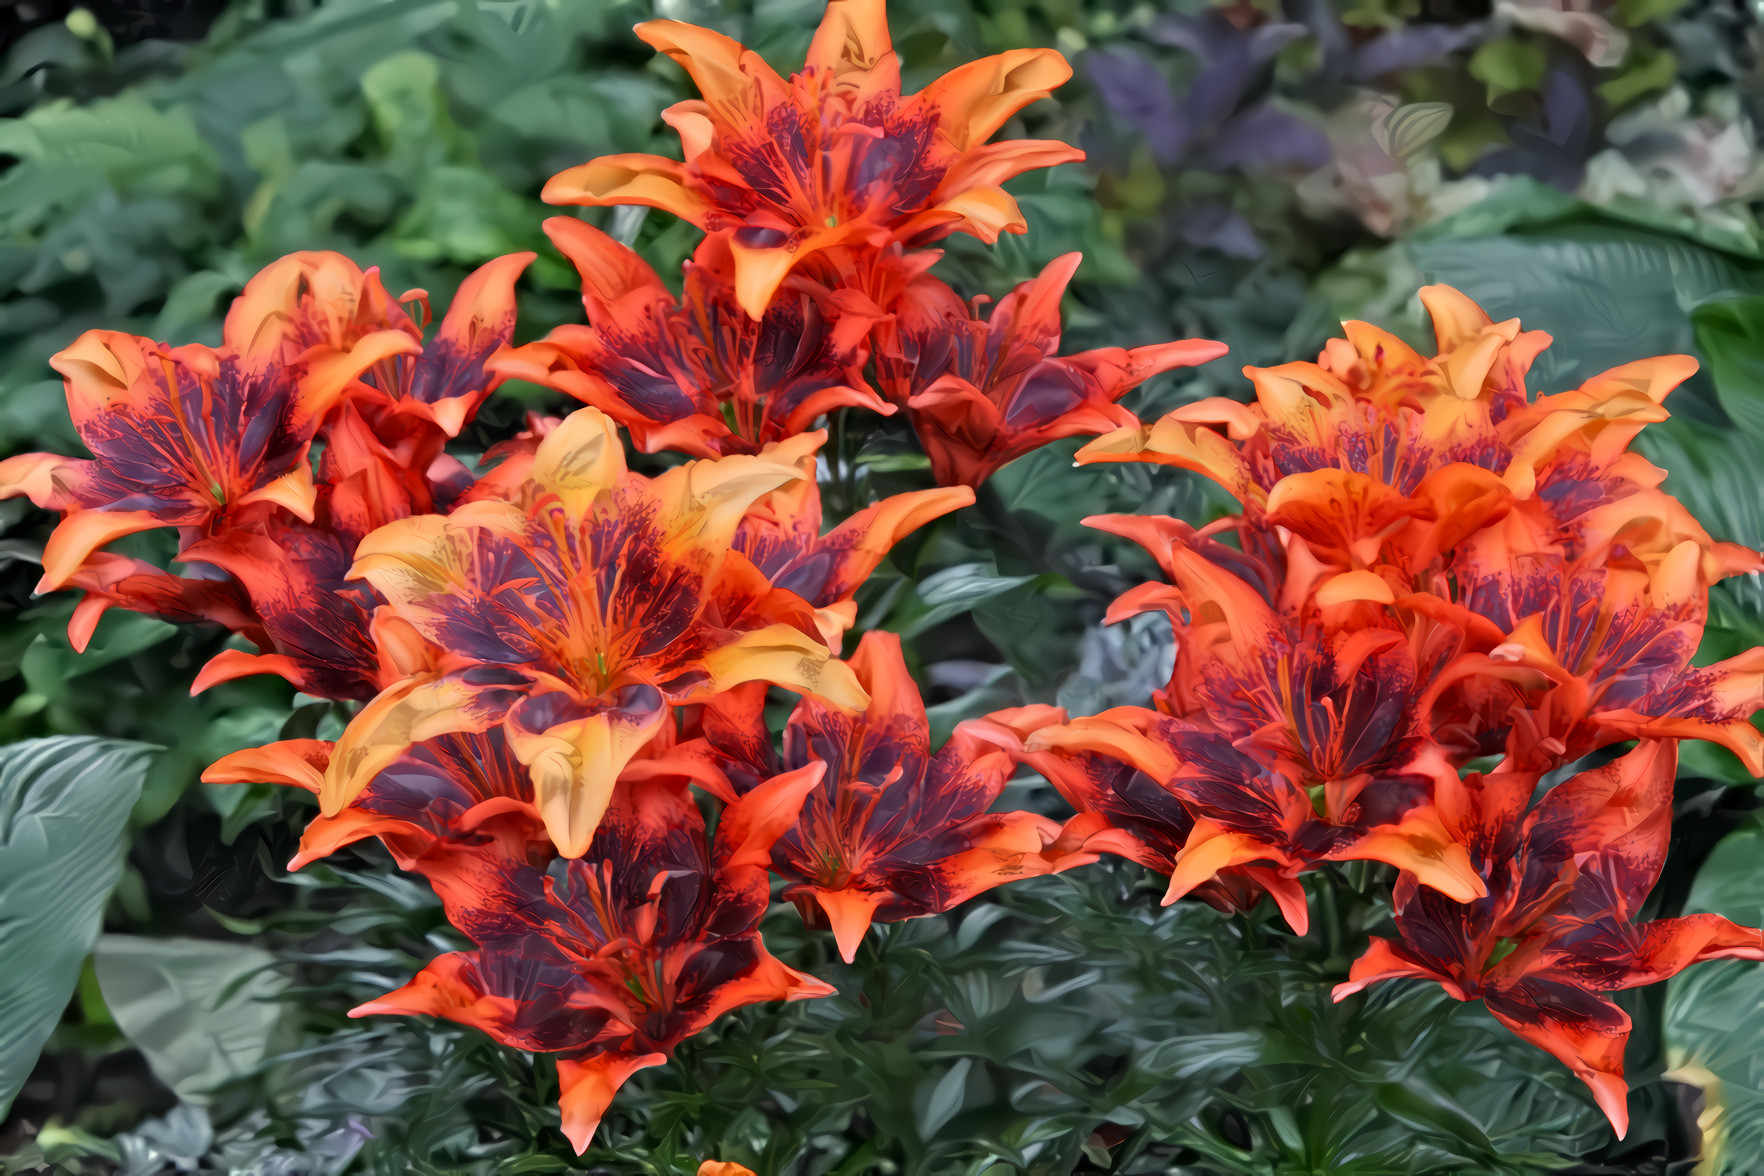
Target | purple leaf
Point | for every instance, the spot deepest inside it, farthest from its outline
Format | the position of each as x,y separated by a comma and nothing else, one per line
1133,88
1264,136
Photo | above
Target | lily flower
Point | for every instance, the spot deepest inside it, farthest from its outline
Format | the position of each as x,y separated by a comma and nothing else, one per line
1555,933
182,437
836,155
1290,737
893,831
577,611
781,534
611,960
1379,457
456,809
984,391
699,376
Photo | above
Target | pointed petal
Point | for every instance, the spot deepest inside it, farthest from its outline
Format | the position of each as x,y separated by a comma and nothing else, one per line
849,912
586,1089
750,825
297,762
1420,844
646,180
83,532
785,657
229,664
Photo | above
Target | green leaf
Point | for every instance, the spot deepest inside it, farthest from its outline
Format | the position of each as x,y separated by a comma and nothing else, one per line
1410,128
1607,293
1730,333
1505,66
950,593
201,1010
944,1098
64,804
1714,1035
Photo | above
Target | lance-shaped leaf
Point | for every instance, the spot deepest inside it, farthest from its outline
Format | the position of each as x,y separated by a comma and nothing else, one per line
984,391
596,599
1555,935
835,155
64,807
613,959
700,376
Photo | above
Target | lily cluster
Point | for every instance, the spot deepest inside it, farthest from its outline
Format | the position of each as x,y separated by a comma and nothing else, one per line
550,659
1439,592
1440,597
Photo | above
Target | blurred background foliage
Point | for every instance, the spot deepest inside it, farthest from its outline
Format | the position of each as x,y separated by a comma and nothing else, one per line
1257,171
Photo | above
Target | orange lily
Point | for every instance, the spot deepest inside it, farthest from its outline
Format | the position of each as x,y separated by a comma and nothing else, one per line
577,611
836,155
700,376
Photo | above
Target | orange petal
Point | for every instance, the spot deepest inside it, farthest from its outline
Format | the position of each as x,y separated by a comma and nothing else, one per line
237,663
293,491
849,912
1210,849
46,479
972,101
1380,962
749,827
629,179
586,1089
1420,844
852,41
296,762
83,532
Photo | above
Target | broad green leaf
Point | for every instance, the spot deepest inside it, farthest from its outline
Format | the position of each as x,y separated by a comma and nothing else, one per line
64,804
1508,65
1714,1025
1607,294
201,1010
1730,332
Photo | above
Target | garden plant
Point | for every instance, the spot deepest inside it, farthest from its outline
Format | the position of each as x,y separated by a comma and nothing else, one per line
802,713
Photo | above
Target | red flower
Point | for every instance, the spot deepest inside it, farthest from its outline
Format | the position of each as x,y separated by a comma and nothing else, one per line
700,376
984,391
1584,654
836,155
894,832
328,636
1126,811
383,457
613,960
1555,933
